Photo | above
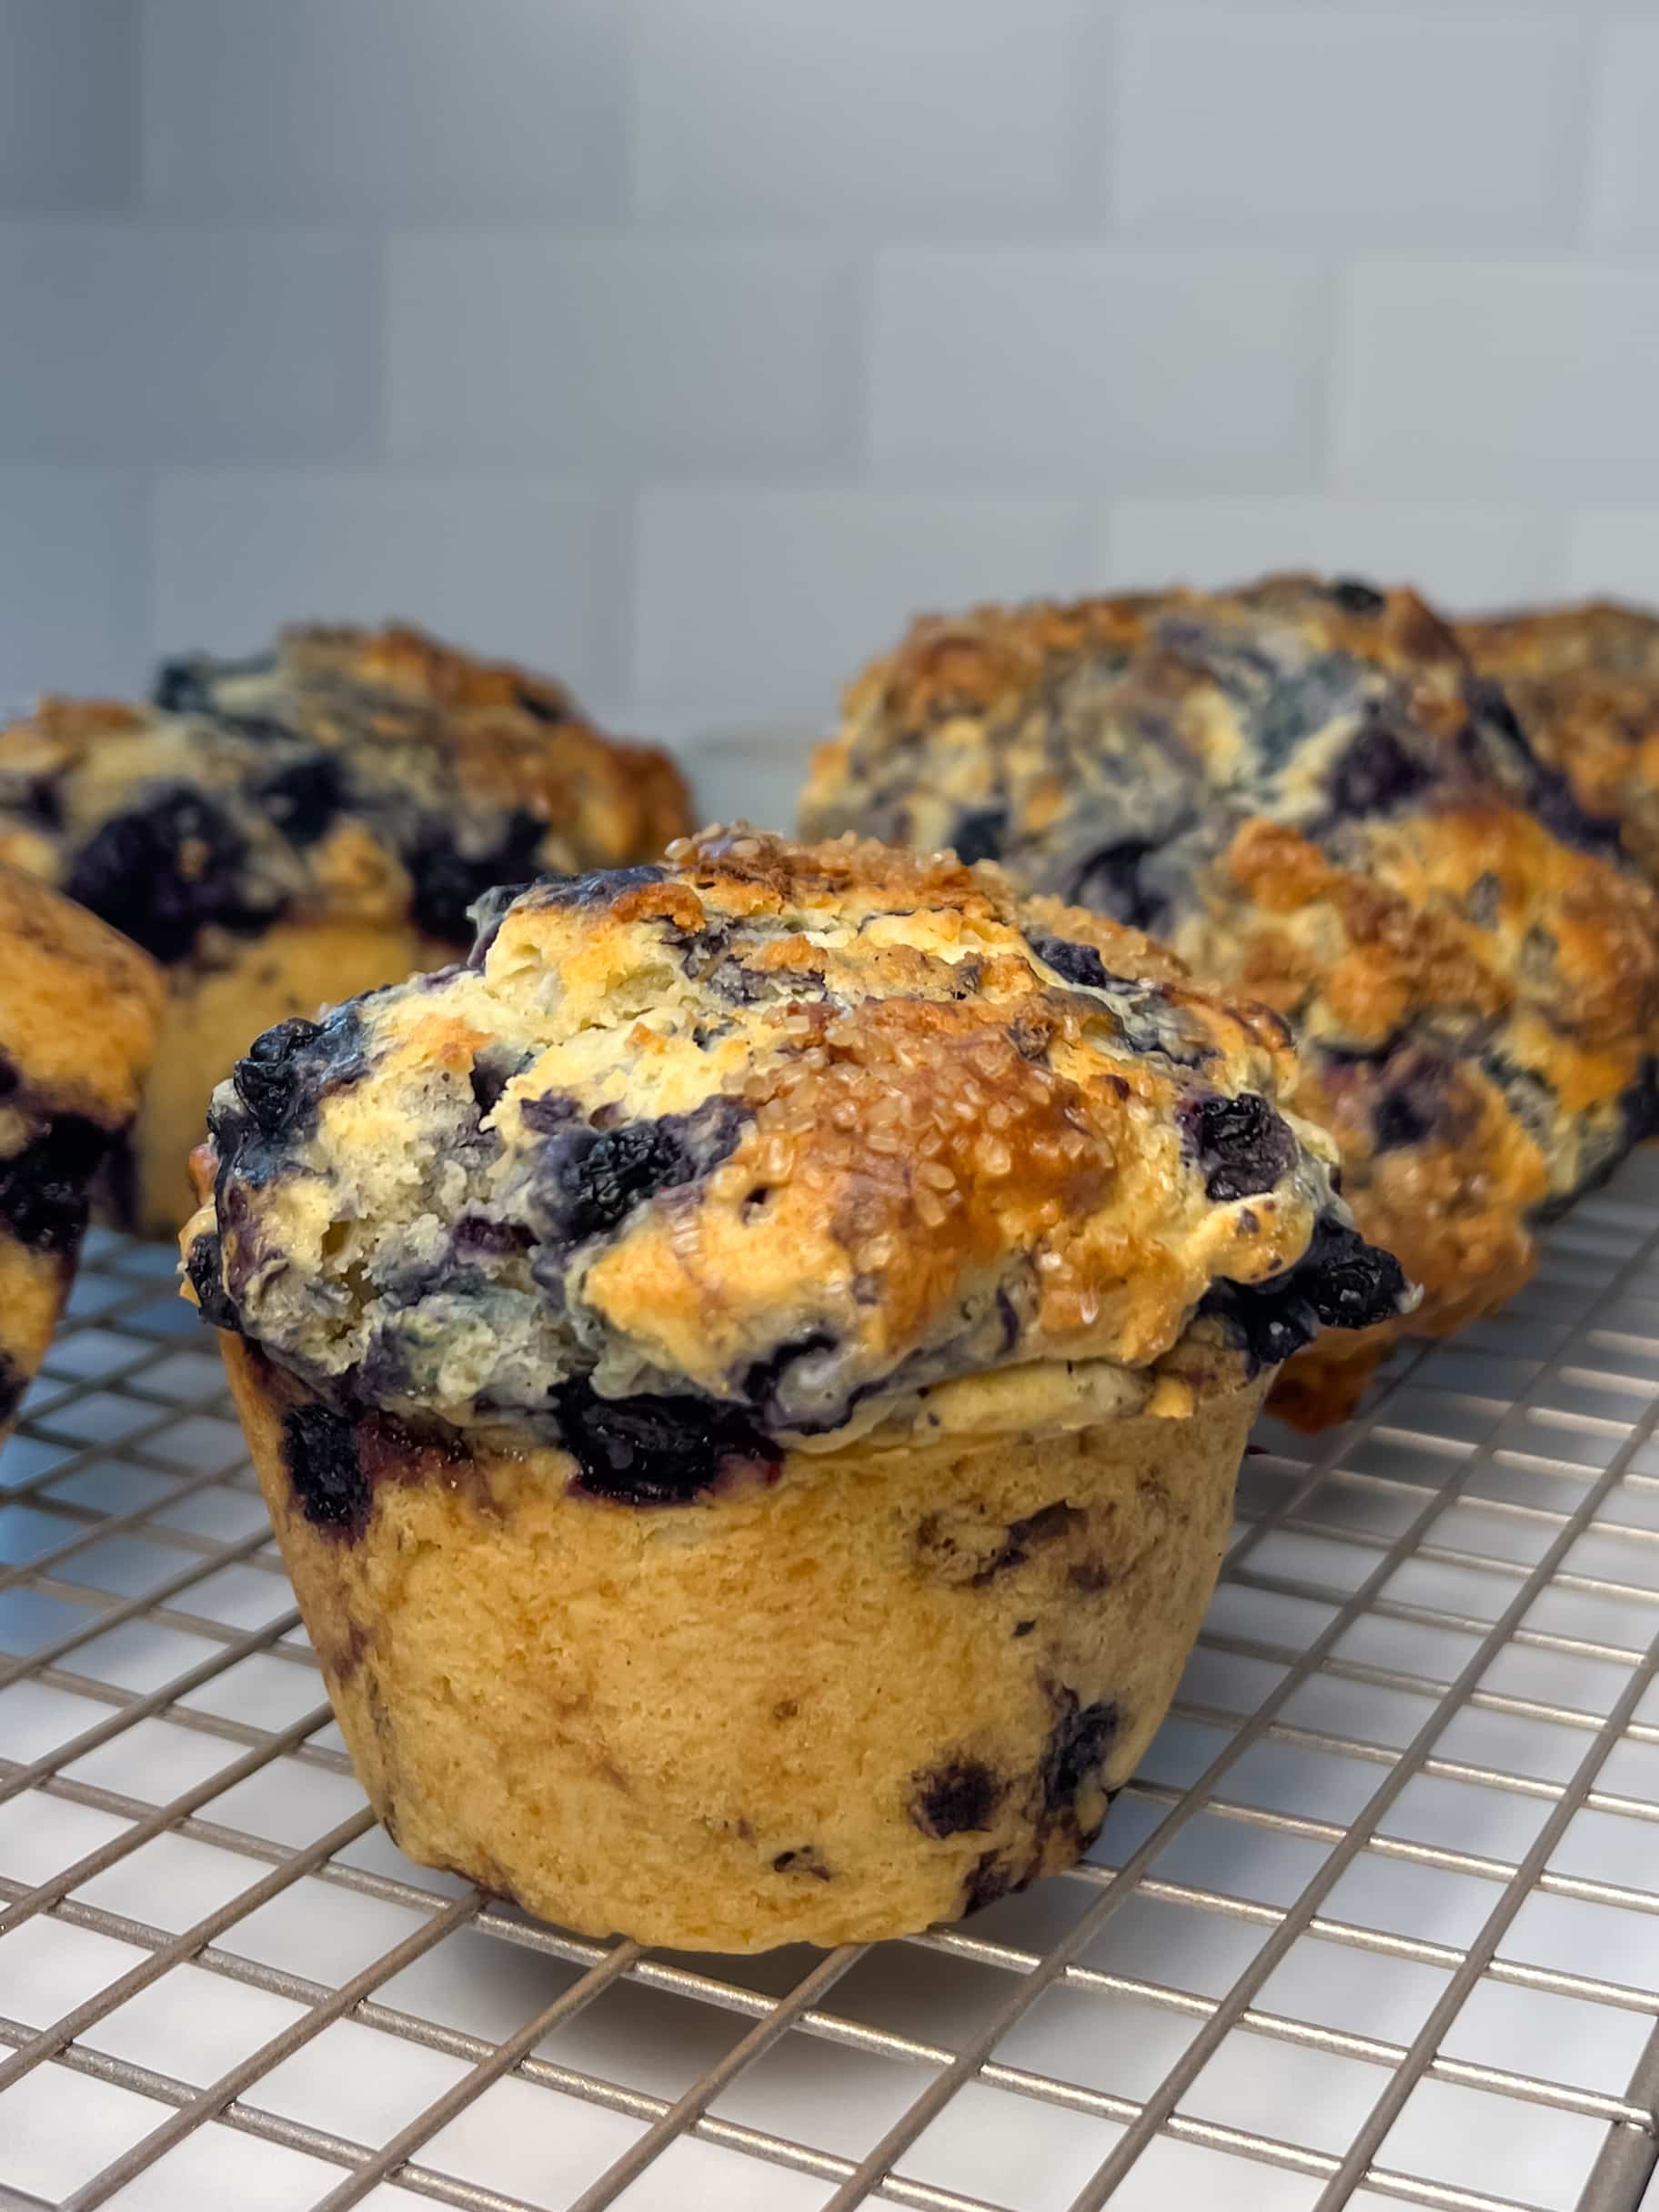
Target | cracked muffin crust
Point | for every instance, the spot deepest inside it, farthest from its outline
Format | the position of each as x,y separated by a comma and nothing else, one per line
78,1013
283,831
748,1375
1585,681
799,1131
1308,791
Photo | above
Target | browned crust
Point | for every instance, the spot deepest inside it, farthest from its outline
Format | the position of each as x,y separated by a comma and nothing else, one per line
1585,681
941,1155
514,739
992,655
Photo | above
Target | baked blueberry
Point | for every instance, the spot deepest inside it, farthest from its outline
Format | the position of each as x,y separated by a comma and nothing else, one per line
1078,963
1376,771
449,880
1243,1146
204,1271
1357,599
654,1451
321,1452
598,1178
1111,883
278,1085
163,871
979,836
45,1187
957,1798
1081,1738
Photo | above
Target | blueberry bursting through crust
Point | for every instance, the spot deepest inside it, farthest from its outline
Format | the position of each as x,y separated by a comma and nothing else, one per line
762,1150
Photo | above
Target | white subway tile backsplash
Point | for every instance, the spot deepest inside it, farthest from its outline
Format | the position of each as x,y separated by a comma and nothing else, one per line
531,319
1357,124
1507,378
525,569
73,593
69,106
1471,555
1061,364
125,345
1614,550
1624,146
760,605
885,114
620,354
406,110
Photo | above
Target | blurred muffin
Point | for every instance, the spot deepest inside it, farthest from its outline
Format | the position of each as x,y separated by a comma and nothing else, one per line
1307,790
281,831
1585,681
79,1009
748,1373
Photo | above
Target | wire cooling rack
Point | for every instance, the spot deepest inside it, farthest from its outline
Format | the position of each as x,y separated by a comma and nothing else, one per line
1378,1921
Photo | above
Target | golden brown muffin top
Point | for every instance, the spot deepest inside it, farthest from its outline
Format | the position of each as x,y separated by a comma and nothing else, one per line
1307,789
1612,637
373,775
781,1134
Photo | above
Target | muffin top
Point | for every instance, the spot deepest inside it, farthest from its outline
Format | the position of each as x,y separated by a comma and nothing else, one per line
1585,681
779,1138
1309,790
1105,747
367,775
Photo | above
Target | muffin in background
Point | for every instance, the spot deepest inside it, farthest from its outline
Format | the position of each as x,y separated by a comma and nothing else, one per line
748,1375
282,831
1307,789
1585,681
79,1010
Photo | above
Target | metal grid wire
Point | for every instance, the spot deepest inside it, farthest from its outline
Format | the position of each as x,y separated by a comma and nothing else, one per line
1377,1922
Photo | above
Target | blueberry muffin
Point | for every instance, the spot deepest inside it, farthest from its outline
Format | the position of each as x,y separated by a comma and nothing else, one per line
1307,790
279,832
1585,681
78,1013
748,1375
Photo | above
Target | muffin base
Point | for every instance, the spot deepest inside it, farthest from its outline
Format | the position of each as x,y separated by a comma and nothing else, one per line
832,1701
213,1014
